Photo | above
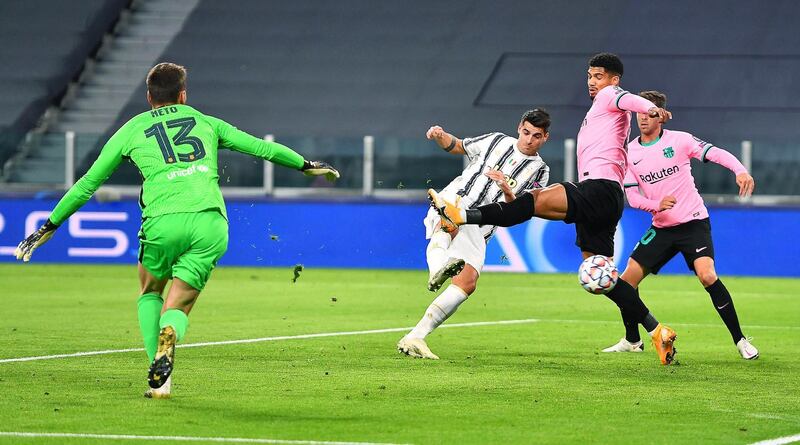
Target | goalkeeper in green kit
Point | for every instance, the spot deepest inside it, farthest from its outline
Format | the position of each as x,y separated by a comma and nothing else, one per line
184,223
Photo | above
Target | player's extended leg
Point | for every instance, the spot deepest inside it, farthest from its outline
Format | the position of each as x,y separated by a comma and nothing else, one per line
440,309
548,203
723,303
631,342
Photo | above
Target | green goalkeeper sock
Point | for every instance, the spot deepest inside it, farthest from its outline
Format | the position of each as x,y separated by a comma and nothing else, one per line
177,319
149,312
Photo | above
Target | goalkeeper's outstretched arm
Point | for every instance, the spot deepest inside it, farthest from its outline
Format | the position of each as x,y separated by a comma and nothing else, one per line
237,140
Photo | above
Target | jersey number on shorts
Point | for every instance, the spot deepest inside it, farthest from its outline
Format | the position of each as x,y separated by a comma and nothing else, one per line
181,138
647,237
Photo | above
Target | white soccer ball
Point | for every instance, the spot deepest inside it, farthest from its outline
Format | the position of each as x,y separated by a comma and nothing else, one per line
598,274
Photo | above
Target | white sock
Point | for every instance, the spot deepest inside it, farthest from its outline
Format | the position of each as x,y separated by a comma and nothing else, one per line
436,253
440,310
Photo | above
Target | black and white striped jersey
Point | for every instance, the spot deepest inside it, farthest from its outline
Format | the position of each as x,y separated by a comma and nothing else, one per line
496,151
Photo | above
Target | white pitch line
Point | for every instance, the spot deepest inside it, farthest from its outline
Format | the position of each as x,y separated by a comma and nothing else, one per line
691,325
74,354
372,331
340,334
180,438
779,440
264,339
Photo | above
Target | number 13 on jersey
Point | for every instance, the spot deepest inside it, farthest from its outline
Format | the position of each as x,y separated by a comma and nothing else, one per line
181,138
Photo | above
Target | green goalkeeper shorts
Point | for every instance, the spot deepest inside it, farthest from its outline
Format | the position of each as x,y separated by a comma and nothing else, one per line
183,245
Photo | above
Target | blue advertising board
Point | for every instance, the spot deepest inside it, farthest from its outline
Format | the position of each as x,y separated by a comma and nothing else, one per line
747,241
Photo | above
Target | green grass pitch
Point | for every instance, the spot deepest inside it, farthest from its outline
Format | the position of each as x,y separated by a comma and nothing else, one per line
536,382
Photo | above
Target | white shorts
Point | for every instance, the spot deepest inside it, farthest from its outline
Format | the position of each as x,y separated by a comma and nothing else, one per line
468,244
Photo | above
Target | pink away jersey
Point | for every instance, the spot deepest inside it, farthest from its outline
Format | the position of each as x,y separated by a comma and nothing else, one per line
603,135
662,168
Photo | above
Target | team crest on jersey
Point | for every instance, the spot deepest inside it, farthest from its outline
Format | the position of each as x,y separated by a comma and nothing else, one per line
669,152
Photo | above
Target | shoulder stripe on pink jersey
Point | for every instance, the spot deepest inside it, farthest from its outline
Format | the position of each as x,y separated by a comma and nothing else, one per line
618,98
633,184
703,156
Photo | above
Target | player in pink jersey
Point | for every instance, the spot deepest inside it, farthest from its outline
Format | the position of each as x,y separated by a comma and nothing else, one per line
659,167
595,203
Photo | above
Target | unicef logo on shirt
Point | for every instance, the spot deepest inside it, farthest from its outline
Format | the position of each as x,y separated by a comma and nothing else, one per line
669,152
187,172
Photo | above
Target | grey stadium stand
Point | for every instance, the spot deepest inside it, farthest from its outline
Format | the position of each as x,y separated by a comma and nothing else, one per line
44,46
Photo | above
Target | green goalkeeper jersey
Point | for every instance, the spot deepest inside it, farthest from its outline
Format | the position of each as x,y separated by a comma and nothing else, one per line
175,148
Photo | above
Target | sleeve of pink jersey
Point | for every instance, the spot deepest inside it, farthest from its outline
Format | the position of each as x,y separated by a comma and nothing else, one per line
637,201
633,102
725,159
704,151
630,179
635,198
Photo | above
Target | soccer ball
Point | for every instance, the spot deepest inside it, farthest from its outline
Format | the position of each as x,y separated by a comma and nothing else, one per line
598,274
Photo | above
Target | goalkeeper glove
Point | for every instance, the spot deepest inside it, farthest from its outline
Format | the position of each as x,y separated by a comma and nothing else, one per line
28,245
319,168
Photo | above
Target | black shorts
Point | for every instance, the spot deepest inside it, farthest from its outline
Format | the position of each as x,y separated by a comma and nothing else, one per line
595,206
659,245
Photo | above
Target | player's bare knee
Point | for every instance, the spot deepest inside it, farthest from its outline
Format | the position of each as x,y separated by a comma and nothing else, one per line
468,287
184,303
633,274
153,286
151,290
707,277
467,280
630,279
551,202
704,269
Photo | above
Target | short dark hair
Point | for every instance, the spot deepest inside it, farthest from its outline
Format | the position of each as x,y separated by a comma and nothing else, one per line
609,61
657,97
165,82
537,117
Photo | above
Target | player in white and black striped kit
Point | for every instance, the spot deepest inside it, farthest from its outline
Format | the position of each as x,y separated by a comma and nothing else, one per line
500,167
